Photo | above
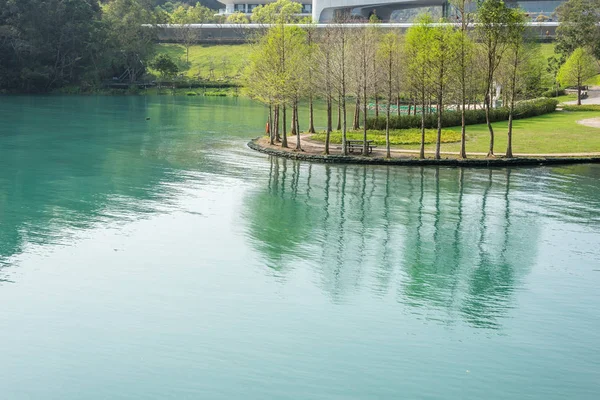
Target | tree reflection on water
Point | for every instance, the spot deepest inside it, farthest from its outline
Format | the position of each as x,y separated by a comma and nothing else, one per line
444,242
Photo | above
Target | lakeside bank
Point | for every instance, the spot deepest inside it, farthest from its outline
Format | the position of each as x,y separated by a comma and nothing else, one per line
314,152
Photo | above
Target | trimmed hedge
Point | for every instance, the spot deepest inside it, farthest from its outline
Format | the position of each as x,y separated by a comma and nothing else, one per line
583,107
523,109
553,93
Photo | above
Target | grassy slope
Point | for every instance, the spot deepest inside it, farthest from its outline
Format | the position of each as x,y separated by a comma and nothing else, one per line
552,133
201,56
546,51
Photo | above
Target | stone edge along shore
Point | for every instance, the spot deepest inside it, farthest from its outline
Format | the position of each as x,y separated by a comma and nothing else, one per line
411,161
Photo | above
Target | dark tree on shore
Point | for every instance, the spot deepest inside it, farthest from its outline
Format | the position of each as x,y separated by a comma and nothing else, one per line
44,45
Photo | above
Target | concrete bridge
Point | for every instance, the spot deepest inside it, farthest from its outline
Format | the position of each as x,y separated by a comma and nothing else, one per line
330,10
241,33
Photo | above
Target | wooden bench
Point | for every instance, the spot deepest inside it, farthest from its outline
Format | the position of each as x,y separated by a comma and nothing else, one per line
352,145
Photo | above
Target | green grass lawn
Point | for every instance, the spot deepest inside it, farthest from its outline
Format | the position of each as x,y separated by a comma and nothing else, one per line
566,97
551,133
558,132
226,61
397,137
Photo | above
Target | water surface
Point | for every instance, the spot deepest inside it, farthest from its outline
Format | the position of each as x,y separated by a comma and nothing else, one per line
162,259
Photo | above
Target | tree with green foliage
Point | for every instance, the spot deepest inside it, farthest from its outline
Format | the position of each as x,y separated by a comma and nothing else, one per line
418,39
493,18
165,66
443,49
363,49
279,12
276,73
578,27
44,45
516,59
340,44
324,82
552,67
237,18
132,40
465,57
189,18
580,65
388,57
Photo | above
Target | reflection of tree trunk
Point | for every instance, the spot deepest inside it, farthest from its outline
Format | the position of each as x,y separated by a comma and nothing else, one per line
295,179
506,215
341,256
436,220
326,229
420,216
459,216
483,220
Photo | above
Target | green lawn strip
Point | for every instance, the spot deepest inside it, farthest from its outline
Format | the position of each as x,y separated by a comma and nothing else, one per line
397,137
227,60
583,107
566,97
558,132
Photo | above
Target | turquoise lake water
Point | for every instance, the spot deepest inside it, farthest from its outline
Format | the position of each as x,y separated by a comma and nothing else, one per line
163,259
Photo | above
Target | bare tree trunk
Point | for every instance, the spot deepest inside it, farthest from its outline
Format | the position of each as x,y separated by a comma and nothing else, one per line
297,126
489,124
297,119
398,105
339,115
277,115
271,125
509,152
293,122
284,142
329,124
356,121
311,116
365,144
389,105
422,150
438,140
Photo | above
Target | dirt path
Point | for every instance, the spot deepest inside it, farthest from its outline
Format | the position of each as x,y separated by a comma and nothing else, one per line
592,122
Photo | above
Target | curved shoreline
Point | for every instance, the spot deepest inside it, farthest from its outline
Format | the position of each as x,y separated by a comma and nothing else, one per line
412,161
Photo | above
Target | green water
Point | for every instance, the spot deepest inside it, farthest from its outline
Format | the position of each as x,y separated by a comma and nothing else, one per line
162,259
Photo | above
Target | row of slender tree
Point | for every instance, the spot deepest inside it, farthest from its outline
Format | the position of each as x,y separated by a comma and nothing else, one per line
433,66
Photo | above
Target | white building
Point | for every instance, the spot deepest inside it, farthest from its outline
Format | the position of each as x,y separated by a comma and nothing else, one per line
389,10
244,6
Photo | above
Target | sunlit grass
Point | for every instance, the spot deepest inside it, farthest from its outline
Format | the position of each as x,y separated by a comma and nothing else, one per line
226,61
397,137
558,132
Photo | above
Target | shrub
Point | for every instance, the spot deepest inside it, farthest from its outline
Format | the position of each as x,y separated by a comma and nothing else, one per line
523,109
223,94
553,93
584,107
